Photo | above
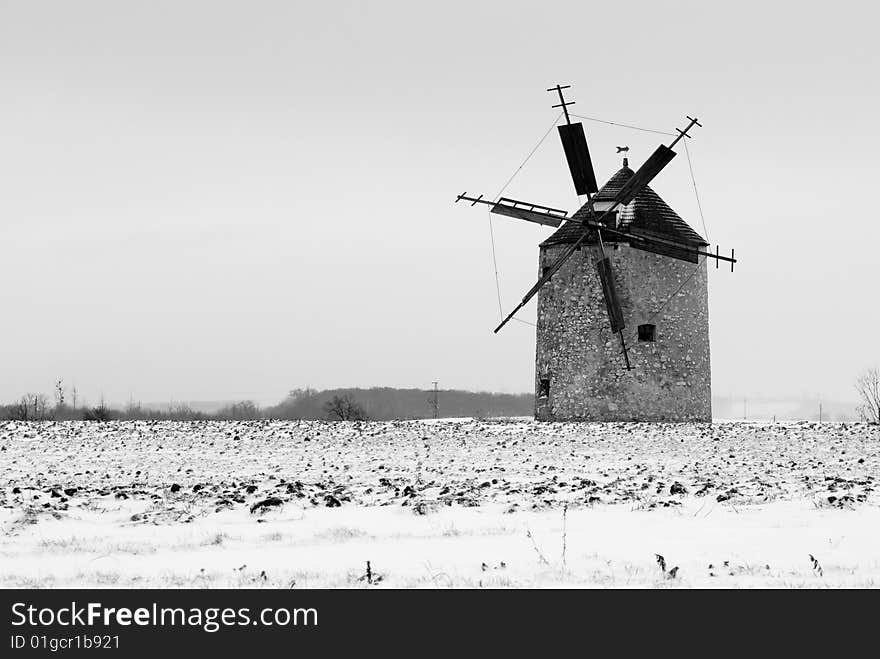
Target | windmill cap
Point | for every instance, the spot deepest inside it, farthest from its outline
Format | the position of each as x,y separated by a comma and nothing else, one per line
646,211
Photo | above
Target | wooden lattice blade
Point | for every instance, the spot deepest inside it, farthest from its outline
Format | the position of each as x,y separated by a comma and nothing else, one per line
538,214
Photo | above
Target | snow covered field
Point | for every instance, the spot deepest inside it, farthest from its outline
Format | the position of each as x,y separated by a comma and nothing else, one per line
456,503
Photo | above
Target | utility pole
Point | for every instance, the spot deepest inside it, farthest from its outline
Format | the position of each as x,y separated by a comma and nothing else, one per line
745,414
820,411
435,402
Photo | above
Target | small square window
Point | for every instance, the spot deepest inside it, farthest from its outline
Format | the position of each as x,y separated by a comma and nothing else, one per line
544,388
647,332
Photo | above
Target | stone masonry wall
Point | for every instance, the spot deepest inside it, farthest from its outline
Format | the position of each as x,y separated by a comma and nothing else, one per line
576,351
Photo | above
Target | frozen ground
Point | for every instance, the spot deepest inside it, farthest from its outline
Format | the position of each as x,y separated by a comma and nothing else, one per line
457,503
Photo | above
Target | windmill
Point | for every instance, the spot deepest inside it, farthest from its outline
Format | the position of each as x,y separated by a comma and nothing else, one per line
594,226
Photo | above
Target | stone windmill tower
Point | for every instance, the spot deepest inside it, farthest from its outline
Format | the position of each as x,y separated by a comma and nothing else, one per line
578,372
625,263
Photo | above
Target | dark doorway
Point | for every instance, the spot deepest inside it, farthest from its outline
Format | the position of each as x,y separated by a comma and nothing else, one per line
544,388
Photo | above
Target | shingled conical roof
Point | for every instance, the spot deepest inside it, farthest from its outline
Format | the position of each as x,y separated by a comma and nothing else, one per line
646,211
614,185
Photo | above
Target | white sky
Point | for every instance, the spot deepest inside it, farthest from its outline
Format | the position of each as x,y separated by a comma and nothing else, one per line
212,200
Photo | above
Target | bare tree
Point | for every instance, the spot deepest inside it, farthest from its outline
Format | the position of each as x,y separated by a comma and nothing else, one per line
33,407
344,408
21,410
243,410
73,395
868,386
99,413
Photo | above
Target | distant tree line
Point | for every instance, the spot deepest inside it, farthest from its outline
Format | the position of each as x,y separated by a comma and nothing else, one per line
386,403
378,403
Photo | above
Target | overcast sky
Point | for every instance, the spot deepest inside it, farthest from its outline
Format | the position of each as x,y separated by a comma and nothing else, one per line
214,200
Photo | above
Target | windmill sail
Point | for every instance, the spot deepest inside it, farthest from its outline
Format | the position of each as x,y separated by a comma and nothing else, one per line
548,273
574,143
660,244
612,304
524,210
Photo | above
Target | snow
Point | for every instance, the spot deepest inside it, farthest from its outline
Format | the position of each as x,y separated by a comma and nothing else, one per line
457,504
